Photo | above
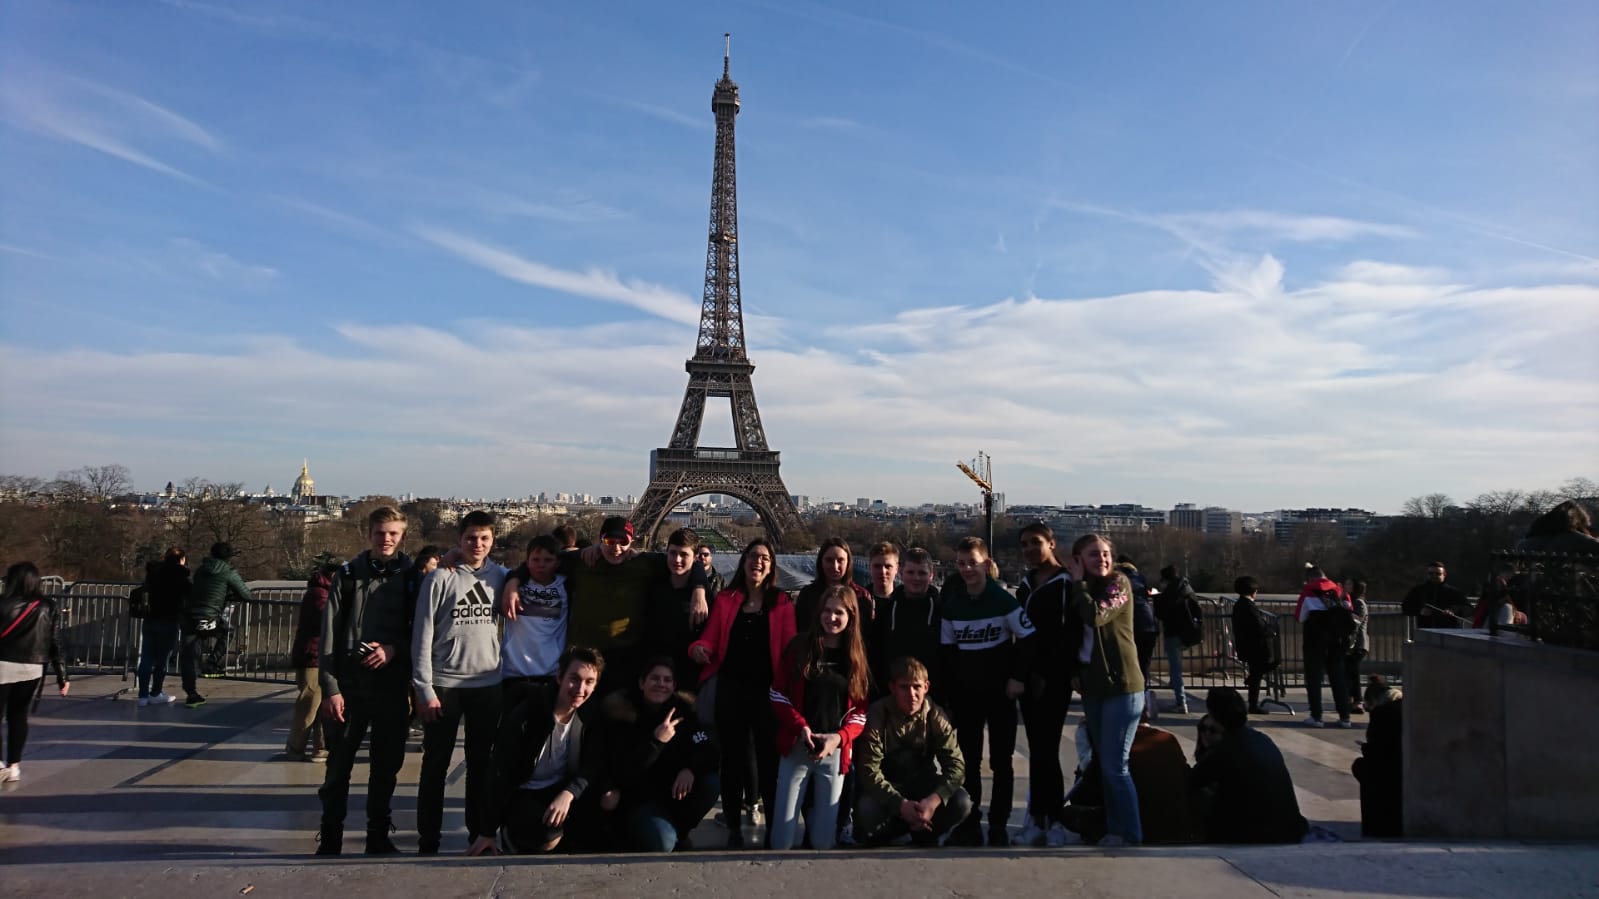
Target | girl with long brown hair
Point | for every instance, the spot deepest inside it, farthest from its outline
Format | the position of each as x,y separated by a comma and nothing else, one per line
819,697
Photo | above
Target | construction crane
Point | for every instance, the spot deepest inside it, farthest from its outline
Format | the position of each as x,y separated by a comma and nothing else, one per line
981,471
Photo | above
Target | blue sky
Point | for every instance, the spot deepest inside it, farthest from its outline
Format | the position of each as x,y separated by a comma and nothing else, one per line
1254,254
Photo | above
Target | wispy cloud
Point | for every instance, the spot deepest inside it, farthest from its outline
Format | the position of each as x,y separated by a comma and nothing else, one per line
171,122
341,221
1282,226
1339,392
1368,271
670,114
594,283
1435,213
1361,35
103,119
220,267
561,206
844,21
25,251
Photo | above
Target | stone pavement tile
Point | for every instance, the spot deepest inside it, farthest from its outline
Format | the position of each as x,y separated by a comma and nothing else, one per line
1432,870
1391,870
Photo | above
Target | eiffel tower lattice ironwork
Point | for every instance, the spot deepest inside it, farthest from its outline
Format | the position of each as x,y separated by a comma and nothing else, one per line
720,368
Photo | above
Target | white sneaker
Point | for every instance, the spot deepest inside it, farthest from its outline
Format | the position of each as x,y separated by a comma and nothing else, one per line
1345,723
1029,835
162,699
1057,836
11,773
1311,721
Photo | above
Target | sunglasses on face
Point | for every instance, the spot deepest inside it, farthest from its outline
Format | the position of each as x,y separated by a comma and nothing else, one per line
615,541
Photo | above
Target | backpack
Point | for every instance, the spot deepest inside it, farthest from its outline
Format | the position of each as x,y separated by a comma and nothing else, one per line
1191,630
139,602
1340,617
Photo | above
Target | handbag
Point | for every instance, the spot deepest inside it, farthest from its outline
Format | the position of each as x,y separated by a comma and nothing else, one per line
705,702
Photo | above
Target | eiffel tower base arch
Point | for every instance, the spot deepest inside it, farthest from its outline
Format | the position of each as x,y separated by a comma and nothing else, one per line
680,475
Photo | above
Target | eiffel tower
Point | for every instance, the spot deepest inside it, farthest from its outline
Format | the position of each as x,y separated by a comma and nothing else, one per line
720,368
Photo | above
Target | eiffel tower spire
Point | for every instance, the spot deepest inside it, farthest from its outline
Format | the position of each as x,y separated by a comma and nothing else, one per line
720,368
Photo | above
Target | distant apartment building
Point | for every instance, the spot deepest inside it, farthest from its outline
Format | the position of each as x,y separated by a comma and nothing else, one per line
1352,524
1186,517
1081,519
1229,522
1209,520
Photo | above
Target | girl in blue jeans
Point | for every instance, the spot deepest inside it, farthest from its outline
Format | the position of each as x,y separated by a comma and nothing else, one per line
819,698
1113,685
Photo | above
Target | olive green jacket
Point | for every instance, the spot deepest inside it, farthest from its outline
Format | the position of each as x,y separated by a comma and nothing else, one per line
1113,668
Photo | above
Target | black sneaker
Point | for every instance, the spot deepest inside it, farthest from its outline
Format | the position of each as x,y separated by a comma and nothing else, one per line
427,847
735,839
378,842
965,834
194,701
999,837
330,843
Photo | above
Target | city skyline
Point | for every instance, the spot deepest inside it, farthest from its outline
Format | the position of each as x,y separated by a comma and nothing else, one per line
1256,256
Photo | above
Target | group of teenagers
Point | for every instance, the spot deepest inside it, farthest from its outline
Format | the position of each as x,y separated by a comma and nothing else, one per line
609,695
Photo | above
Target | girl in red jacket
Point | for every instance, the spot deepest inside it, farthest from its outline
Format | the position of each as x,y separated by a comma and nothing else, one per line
819,698
750,624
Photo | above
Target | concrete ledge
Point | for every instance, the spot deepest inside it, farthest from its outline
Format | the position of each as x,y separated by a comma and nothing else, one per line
1499,737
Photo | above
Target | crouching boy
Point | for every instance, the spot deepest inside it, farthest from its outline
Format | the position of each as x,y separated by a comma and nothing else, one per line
911,767
541,765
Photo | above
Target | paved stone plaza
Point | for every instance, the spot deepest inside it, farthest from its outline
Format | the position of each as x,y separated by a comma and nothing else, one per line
165,801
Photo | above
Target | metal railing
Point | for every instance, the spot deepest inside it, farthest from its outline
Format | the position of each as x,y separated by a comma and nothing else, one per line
1213,662
1557,592
98,636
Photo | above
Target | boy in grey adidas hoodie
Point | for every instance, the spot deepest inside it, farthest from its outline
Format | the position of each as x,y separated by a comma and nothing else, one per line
455,665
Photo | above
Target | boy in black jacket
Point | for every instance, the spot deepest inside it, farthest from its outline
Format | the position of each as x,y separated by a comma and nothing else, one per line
540,769
909,622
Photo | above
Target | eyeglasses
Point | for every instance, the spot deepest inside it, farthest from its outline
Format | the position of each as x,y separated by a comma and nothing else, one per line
705,555
616,541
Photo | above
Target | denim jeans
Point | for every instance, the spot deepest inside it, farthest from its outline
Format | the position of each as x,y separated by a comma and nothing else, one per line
658,825
793,770
155,654
1174,666
1112,722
